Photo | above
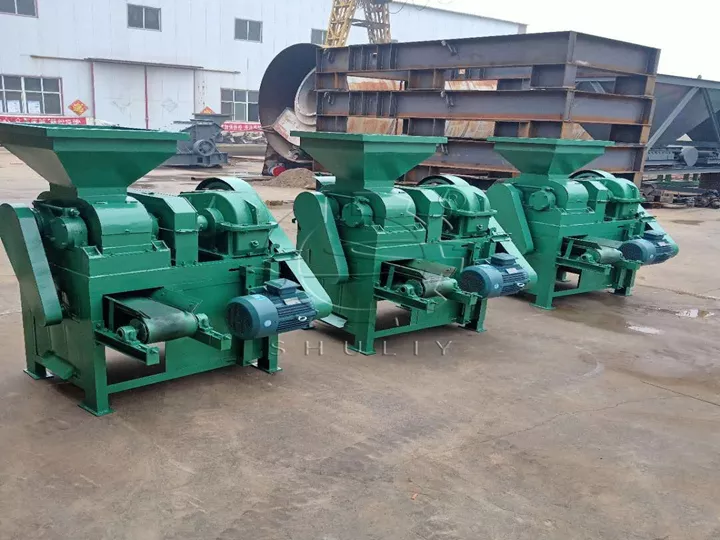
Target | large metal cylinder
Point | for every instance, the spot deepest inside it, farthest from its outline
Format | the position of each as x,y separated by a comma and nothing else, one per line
289,83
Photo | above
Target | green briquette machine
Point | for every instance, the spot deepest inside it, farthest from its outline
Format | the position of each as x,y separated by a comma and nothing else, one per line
208,273
588,223
434,250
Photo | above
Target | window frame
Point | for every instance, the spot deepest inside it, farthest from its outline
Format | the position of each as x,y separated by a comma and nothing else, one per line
144,26
247,30
247,102
323,33
23,94
16,14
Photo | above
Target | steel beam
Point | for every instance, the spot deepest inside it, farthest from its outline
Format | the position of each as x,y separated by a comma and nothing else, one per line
510,50
687,81
514,106
336,79
478,155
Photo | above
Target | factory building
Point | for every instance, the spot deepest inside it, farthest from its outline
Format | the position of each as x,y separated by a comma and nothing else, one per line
149,63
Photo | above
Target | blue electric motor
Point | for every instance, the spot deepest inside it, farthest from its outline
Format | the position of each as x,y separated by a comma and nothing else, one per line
652,248
281,307
501,276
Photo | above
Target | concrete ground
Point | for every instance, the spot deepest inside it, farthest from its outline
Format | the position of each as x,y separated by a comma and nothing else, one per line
597,420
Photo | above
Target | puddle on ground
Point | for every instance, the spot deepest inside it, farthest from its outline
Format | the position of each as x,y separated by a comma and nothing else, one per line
688,221
596,317
694,313
660,360
688,313
644,329
625,320
612,322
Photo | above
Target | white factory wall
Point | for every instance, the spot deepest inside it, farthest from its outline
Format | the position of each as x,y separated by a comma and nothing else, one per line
196,44
120,95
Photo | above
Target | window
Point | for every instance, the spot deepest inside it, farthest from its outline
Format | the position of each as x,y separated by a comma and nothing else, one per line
318,37
147,18
248,30
242,105
18,7
29,95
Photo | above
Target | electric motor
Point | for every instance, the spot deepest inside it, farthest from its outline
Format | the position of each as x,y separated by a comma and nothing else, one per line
501,276
281,307
652,248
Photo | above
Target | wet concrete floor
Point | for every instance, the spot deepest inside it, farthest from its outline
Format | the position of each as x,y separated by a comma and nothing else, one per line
596,420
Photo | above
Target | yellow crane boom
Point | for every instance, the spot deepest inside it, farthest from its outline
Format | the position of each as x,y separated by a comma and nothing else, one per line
342,18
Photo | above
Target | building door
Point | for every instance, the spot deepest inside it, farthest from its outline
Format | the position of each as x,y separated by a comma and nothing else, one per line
120,94
170,96
143,96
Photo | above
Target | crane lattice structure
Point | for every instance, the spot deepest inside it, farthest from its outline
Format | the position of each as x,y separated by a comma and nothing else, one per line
342,18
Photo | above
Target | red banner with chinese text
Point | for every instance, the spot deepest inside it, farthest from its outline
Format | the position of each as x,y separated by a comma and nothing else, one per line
234,127
60,120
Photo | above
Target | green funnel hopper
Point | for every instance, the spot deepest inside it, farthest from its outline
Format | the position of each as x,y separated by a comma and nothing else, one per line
548,157
89,160
361,161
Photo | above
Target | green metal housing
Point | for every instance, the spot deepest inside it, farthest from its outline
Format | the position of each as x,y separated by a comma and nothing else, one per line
369,241
568,222
102,267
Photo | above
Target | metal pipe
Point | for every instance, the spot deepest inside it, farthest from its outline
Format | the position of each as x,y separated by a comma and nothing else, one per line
92,88
147,102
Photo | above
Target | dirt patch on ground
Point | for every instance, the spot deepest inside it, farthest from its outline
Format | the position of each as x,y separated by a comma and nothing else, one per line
297,178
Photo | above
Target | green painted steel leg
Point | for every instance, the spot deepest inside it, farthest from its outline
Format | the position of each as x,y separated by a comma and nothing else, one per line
36,370
97,403
269,361
364,341
545,291
623,291
94,382
625,282
478,317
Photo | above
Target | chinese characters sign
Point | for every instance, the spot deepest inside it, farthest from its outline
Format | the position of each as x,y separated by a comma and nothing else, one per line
241,126
62,120
78,107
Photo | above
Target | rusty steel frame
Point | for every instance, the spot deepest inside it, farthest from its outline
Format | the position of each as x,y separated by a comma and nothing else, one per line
537,93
